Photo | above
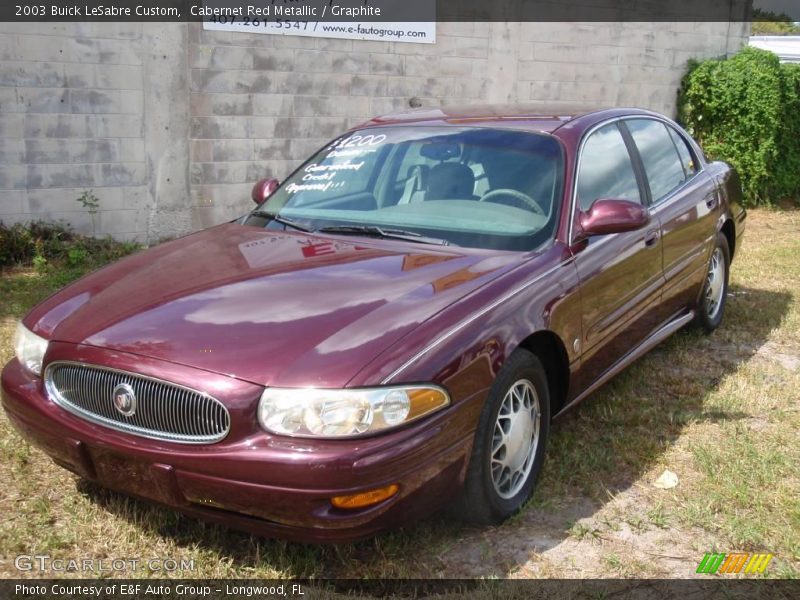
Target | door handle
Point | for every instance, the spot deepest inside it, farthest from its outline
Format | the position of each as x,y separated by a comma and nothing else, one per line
651,237
711,201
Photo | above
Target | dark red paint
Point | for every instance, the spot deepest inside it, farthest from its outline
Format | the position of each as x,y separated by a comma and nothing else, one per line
263,189
233,309
612,216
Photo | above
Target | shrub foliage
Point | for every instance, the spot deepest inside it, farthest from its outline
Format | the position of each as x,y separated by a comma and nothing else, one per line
746,110
41,244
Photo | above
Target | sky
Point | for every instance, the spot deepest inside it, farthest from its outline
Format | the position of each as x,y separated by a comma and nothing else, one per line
789,7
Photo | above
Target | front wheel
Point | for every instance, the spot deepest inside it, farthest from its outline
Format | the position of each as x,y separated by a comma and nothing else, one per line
711,306
510,441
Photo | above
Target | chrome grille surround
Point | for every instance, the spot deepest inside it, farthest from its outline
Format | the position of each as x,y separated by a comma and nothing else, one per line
166,411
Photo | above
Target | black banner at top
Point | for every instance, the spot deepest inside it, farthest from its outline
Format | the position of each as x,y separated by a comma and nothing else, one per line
386,11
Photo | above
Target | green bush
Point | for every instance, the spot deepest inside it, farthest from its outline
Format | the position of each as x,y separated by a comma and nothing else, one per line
16,245
788,165
746,110
43,244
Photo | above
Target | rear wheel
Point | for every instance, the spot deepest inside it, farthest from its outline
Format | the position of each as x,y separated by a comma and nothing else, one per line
509,445
711,306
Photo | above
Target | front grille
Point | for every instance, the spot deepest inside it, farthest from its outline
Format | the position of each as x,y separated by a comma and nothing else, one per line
163,411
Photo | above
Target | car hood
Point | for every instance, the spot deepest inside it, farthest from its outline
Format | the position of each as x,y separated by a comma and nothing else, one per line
272,308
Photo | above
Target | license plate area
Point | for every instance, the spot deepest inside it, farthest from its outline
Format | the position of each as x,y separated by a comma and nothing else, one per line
137,477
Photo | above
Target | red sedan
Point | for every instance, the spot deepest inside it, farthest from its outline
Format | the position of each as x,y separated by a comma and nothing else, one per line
392,329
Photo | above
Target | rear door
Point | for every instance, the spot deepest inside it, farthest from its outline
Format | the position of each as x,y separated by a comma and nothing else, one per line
621,274
685,201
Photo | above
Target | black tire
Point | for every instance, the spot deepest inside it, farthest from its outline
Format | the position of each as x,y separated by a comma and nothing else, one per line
480,502
709,316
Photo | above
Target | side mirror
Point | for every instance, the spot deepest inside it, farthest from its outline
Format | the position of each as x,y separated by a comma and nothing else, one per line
608,216
264,189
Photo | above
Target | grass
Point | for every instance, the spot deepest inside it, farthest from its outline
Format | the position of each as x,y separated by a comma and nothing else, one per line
721,411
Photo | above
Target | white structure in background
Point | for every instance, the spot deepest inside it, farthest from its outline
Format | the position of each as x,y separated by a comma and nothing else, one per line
787,47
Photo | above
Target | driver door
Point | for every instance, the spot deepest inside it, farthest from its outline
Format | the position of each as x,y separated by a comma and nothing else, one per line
621,275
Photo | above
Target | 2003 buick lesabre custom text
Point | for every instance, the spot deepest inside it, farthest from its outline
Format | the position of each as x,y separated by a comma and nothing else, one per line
101,10
397,322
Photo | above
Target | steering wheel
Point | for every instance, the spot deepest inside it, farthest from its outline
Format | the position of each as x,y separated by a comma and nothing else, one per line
517,195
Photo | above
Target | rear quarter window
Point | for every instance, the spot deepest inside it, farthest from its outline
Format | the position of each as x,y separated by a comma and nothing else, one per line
688,161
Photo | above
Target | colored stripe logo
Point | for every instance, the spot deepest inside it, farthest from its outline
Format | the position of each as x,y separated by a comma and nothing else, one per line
733,563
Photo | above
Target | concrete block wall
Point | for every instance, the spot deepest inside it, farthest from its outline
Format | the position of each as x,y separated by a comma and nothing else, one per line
170,125
617,64
260,104
71,120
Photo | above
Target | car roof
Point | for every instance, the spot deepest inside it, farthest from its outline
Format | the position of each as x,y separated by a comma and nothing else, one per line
545,118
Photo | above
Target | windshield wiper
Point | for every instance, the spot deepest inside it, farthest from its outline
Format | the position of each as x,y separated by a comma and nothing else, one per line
373,230
393,234
282,220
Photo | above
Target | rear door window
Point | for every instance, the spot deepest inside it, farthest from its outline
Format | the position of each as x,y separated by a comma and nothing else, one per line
662,163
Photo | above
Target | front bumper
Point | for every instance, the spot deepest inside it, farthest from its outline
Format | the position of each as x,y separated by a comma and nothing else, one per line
268,485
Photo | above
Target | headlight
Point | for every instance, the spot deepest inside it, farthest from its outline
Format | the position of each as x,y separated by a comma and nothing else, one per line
345,413
30,349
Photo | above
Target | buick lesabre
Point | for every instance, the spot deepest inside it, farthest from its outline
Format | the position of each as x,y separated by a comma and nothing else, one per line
392,329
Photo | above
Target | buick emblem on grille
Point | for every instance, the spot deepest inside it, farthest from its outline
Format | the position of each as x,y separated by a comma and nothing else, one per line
124,400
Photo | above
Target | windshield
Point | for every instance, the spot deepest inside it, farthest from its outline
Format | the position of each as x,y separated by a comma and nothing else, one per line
471,187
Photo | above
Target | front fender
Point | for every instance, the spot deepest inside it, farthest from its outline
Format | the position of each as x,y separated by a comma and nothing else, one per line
463,347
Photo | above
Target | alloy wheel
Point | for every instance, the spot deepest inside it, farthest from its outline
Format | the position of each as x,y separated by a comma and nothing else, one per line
715,283
515,438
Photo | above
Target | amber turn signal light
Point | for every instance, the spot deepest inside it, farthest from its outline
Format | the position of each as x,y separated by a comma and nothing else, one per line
363,499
